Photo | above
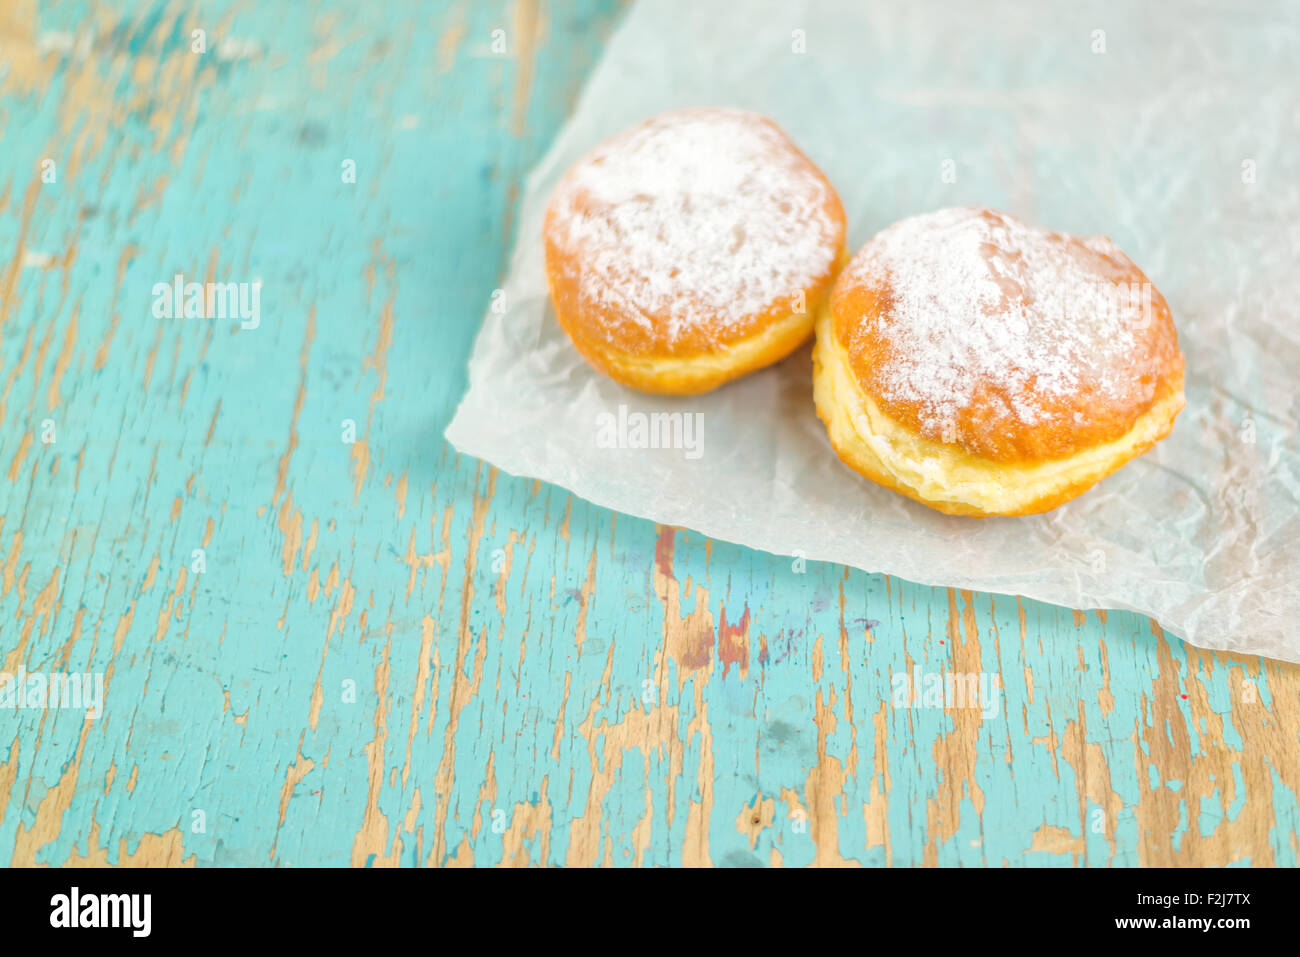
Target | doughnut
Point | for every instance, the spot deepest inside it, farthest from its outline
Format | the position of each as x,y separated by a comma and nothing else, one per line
983,366
691,249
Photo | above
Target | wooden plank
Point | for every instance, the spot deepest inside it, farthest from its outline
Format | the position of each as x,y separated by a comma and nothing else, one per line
375,652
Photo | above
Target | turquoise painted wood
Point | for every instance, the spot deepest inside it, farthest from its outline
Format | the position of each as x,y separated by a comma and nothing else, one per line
326,639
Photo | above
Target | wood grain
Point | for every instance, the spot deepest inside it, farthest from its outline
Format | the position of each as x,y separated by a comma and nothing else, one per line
390,655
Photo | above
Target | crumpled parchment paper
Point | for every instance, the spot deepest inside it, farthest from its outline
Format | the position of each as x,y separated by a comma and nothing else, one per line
1173,132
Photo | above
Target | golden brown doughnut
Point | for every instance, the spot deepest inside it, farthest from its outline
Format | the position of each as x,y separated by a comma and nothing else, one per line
691,249
984,366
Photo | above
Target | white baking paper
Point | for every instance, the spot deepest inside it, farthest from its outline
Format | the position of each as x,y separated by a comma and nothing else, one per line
1174,132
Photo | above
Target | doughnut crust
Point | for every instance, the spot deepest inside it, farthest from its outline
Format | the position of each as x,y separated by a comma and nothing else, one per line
691,249
983,366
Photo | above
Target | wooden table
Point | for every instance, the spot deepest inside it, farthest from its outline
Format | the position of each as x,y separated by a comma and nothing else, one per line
324,638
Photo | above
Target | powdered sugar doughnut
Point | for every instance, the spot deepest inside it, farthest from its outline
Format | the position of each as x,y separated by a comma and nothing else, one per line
691,249
984,366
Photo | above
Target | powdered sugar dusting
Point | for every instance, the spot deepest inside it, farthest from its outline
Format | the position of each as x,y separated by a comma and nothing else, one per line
693,219
980,298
